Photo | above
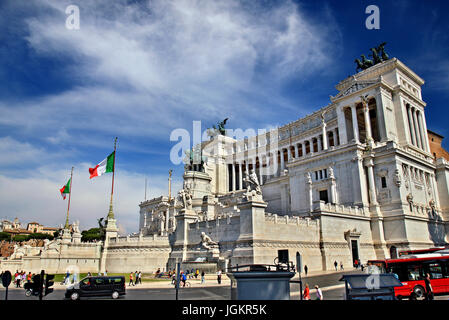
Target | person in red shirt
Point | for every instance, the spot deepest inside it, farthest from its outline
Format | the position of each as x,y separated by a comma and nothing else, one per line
306,294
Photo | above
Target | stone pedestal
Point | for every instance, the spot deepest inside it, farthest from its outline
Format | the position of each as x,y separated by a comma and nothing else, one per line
183,219
66,236
209,206
76,238
199,183
252,219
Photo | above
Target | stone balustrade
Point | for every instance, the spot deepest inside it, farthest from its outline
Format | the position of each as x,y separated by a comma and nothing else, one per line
338,208
292,220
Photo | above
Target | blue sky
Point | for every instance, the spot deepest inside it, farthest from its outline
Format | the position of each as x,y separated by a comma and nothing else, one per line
140,69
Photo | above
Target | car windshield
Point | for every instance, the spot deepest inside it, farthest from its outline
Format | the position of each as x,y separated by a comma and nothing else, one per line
85,281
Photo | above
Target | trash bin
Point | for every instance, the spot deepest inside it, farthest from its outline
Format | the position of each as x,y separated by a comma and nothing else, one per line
370,286
260,282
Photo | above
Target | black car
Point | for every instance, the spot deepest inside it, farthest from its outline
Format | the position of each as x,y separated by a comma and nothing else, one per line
97,287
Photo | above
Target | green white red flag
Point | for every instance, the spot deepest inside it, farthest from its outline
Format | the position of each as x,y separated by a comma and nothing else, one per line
65,189
105,166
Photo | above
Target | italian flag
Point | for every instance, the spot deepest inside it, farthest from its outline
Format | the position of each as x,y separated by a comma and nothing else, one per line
105,166
65,189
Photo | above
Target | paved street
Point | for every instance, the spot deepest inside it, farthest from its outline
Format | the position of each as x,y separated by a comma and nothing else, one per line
332,289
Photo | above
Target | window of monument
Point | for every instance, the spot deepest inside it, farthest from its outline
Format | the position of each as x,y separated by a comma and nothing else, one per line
316,175
383,182
325,173
324,196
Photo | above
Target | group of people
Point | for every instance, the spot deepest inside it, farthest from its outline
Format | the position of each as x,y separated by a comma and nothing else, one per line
22,277
135,278
189,274
336,265
318,292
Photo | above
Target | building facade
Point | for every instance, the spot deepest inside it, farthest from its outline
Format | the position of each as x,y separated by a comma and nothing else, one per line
355,180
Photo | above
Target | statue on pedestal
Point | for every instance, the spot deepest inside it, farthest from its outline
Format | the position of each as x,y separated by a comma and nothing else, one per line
253,190
207,243
185,196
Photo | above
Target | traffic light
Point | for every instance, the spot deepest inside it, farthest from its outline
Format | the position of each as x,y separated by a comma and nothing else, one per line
37,284
49,283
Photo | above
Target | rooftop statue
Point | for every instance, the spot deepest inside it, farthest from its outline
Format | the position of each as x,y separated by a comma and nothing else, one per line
378,55
220,129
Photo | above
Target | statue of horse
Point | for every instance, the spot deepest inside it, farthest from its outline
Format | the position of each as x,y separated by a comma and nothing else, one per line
359,65
366,62
381,51
375,55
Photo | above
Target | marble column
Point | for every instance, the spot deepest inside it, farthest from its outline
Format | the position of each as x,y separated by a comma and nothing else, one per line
410,124
282,160
371,183
303,145
424,137
233,171
324,133
311,146
289,153
334,132
319,145
369,135
355,125
417,133
240,176
296,151
310,189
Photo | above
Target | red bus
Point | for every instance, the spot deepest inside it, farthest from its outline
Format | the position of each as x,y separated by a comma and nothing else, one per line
411,271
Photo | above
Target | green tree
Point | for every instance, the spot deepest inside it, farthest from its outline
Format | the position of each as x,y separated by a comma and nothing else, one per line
41,236
91,235
5,236
21,237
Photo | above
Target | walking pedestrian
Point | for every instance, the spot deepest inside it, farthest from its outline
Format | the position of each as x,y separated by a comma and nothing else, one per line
319,293
29,277
429,290
140,277
203,280
306,295
306,269
131,282
197,272
335,265
219,276
24,277
18,277
341,265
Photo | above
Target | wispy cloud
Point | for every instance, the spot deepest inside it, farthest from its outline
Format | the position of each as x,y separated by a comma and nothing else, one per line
139,70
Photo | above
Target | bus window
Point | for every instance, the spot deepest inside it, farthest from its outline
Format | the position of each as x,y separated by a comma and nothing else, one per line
445,265
415,272
397,269
435,270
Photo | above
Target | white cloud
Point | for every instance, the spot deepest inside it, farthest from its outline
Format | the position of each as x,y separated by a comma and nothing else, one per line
37,196
146,72
142,70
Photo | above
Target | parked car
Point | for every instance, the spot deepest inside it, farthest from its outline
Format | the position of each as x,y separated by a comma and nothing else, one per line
97,287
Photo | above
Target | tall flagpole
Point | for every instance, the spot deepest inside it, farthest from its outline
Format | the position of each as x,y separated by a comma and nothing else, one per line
111,213
68,205
169,184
